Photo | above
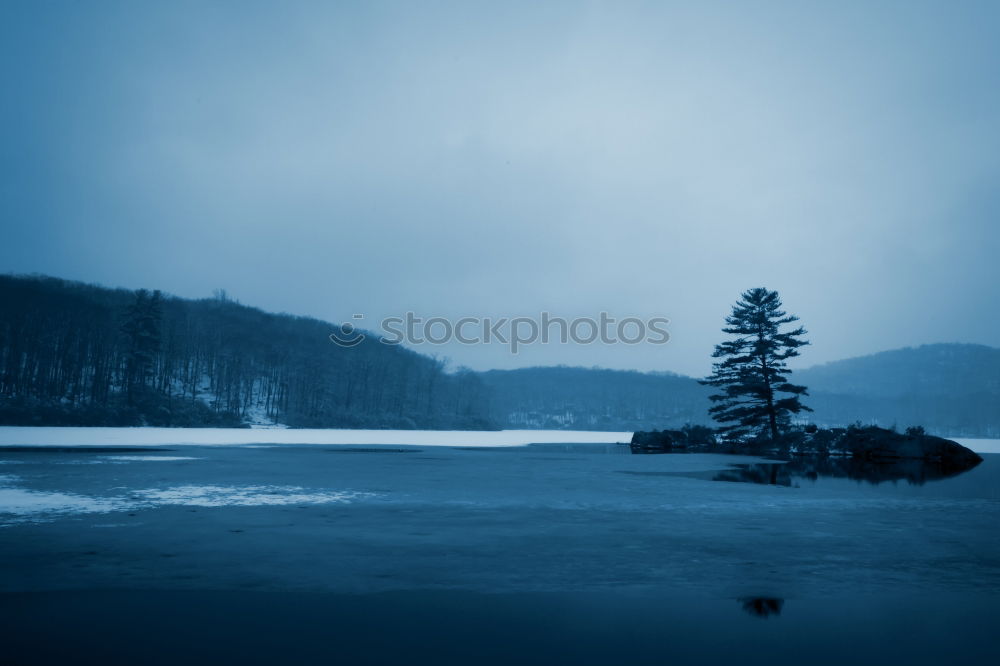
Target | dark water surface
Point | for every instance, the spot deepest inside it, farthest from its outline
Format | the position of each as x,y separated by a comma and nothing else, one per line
541,554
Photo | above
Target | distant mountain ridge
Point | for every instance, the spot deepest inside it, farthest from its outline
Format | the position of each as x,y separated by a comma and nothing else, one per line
949,388
935,369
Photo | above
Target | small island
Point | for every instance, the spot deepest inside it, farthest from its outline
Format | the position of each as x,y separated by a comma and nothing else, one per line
870,444
756,404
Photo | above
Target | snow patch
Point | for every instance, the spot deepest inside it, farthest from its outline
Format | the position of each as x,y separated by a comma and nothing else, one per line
19,505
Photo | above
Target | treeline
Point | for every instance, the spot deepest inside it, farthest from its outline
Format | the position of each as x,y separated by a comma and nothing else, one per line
594,399
77,354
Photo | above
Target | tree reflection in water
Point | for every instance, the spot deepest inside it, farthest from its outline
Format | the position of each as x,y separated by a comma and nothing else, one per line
762,606
915,472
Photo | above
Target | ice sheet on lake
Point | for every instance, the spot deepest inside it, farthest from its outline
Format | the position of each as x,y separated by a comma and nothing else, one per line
23,505
20,505
54,436
121,460
19,501
209,496
148,458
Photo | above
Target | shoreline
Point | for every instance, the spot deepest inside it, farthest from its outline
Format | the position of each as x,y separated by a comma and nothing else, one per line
148,436
64,436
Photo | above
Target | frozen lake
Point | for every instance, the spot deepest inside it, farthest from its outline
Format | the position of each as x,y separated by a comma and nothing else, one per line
569,553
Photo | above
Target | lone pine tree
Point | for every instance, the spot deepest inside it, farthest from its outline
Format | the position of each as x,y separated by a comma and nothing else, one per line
751,372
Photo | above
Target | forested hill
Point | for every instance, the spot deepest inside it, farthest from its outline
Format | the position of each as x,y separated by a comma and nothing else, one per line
77,354
938,369
952,389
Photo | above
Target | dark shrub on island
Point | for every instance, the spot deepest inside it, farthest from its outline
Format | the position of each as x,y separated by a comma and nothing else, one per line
690,437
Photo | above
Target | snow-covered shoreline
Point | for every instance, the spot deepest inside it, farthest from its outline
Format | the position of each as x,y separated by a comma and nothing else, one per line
83,436
979,445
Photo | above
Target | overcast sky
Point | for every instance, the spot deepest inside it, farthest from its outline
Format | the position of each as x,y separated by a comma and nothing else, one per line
501,159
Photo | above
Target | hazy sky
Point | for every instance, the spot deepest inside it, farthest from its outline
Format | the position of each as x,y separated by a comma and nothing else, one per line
503,158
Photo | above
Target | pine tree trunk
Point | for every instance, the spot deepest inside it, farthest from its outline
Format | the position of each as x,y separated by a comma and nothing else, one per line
772,417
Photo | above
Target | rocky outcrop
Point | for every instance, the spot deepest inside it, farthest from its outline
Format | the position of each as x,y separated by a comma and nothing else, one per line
879,444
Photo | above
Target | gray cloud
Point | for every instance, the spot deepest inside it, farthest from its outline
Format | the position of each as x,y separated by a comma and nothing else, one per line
460,158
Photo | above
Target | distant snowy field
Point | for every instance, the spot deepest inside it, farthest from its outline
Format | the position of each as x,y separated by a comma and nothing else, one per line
980,445
32,436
